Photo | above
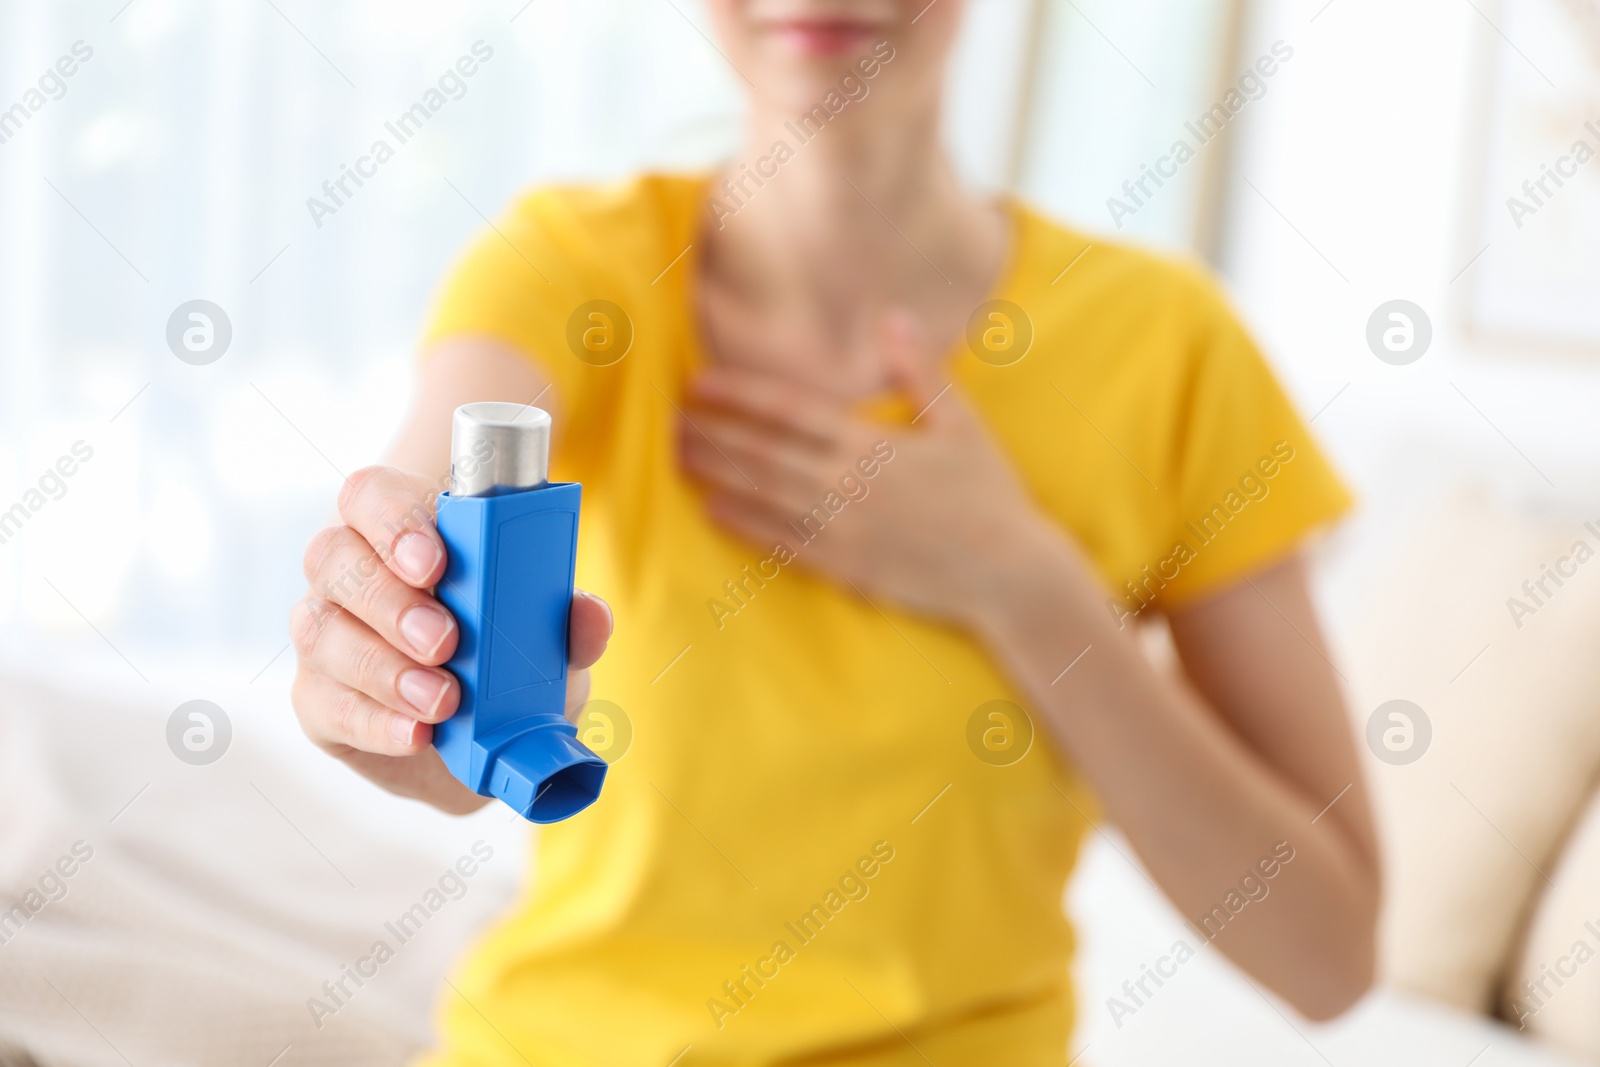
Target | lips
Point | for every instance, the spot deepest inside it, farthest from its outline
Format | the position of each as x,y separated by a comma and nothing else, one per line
823,37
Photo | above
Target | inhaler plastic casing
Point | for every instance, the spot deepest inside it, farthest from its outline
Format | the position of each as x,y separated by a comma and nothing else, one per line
511,538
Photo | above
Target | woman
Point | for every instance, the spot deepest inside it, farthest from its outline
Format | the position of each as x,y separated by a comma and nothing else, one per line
871,465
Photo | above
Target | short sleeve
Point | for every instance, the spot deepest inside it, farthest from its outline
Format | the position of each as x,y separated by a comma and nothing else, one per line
515,284
1251,483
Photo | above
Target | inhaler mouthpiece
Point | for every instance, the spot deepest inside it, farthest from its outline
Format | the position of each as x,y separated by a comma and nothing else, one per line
498,447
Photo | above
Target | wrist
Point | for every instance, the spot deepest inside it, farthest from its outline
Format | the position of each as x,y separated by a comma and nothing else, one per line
1033,564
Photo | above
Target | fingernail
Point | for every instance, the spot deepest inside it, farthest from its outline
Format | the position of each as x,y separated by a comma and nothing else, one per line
426,627
417,555
402,729
423,690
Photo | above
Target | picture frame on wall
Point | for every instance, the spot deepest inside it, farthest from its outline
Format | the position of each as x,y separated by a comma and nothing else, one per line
1530,279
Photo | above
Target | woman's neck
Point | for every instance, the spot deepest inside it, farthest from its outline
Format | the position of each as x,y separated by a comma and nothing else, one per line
857,214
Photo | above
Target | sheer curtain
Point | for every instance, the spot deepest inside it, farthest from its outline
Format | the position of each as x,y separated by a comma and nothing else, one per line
176,162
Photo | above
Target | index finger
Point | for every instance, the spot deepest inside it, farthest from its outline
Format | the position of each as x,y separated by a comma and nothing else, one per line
780,401
394,510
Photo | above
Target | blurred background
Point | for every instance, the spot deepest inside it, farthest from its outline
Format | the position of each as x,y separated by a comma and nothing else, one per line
1400,151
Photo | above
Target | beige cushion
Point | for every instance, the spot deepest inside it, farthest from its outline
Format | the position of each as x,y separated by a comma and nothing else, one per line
1559,959
1516,737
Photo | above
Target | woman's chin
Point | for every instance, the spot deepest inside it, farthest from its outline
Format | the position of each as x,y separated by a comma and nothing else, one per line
798,86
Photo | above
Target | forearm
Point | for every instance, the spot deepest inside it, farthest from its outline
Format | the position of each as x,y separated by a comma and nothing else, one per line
1198,804
463,372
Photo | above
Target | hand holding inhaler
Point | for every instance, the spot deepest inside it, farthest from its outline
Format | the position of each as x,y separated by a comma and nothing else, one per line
373,642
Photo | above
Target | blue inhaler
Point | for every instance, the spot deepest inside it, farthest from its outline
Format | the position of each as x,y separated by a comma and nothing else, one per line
511,538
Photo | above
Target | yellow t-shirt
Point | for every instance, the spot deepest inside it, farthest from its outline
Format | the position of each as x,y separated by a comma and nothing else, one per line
799,858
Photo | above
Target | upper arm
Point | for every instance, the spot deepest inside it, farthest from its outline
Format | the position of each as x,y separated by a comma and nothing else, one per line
460,371
1256,653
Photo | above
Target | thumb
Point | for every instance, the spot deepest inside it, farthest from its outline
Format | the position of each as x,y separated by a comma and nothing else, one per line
903,341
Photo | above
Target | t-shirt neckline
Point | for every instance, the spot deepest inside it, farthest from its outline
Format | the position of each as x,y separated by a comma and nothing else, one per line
696,356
